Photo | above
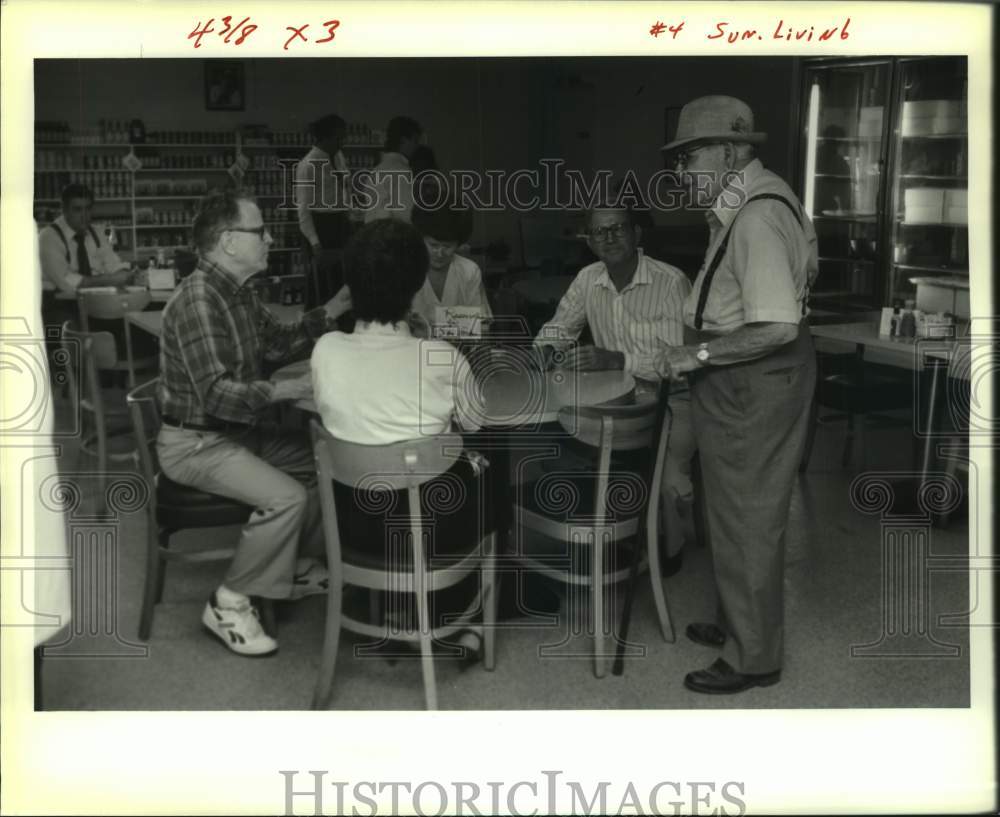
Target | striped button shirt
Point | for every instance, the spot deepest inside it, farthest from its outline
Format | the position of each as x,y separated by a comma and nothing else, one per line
215,338
638,321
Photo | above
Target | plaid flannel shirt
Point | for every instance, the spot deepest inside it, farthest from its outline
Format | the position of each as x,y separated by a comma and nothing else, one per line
216,336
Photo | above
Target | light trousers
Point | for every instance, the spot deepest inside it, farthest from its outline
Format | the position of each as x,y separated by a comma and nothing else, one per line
254,467
750,423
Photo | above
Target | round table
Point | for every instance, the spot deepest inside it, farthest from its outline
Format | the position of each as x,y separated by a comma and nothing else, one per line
544,290
515,394
518,399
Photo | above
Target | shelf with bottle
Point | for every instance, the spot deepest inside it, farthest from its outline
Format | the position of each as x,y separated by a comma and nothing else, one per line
874,137
177,240
936,270
846,216
900,221
154,160
215,169
949,136
828,259
107,184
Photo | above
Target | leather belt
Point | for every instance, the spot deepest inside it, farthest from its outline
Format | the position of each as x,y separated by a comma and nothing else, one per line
219,425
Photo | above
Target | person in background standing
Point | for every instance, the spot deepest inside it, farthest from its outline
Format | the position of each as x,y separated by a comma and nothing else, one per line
323,200
392,177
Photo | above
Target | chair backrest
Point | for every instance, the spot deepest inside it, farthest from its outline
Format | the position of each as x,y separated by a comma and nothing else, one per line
145,414
394,467
94,351
399,466
107,304
644,426
622,427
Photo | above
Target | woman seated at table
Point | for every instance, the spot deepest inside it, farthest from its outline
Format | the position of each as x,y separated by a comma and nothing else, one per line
381,385
452,279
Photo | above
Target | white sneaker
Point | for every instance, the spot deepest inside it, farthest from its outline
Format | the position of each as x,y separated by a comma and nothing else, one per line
239,628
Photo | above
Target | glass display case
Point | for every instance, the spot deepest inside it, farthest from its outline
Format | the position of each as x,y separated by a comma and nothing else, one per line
883,177
930,226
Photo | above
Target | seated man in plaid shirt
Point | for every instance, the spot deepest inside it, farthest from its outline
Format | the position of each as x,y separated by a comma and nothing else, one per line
216,335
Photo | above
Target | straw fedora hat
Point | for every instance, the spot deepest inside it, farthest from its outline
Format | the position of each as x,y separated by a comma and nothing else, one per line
715,119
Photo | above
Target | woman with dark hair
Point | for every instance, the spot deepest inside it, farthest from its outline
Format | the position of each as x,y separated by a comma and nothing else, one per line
452,279
376,385
381,385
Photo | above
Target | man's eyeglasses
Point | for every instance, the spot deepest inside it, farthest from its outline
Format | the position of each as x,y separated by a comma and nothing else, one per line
609,233
260,232
682,157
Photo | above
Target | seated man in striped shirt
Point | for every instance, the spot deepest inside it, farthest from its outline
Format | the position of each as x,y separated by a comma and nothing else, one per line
634,306
212,396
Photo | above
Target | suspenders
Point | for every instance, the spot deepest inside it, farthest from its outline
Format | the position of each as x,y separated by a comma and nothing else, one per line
62,237
706,284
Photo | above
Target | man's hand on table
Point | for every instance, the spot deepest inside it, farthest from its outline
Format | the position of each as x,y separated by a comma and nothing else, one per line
298,388
109,279
592,359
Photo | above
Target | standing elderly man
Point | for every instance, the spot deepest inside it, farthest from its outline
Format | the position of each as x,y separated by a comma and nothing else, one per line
216,335
751,365
634,307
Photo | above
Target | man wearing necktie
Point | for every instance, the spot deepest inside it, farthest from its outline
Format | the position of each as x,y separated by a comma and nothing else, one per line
76,255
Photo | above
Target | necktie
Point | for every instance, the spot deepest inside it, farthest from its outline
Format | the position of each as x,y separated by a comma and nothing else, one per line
82,259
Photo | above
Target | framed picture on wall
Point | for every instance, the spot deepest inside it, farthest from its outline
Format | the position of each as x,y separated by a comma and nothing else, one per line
225,85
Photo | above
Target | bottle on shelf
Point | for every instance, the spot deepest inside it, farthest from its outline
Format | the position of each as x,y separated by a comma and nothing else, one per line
908,321
897,307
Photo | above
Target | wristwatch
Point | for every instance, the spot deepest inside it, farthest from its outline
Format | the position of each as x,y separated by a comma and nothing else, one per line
703,354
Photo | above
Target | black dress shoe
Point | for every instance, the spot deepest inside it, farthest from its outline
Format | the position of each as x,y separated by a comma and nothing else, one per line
708,635
722,679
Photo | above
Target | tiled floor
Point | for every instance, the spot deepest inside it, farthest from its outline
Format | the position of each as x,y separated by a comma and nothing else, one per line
834,600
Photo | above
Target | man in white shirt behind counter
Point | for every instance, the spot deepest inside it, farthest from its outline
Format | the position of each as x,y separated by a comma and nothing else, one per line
634,306
73,252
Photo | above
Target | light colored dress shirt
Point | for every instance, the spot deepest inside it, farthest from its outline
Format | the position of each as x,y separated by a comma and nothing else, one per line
639,321
321,185
381,385
463,286
60,264
392,188
770,262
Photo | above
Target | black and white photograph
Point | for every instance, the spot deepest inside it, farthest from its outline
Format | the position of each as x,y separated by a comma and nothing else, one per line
606,387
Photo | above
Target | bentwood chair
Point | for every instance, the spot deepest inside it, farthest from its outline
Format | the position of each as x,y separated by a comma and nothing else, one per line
593,521
859,392
102,426
109,306
411,487
172,508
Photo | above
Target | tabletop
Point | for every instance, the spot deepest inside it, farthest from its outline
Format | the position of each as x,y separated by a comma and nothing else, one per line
517,395
543,290
910,351
152,322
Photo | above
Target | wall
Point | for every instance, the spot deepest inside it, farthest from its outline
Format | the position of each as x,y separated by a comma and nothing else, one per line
477,113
